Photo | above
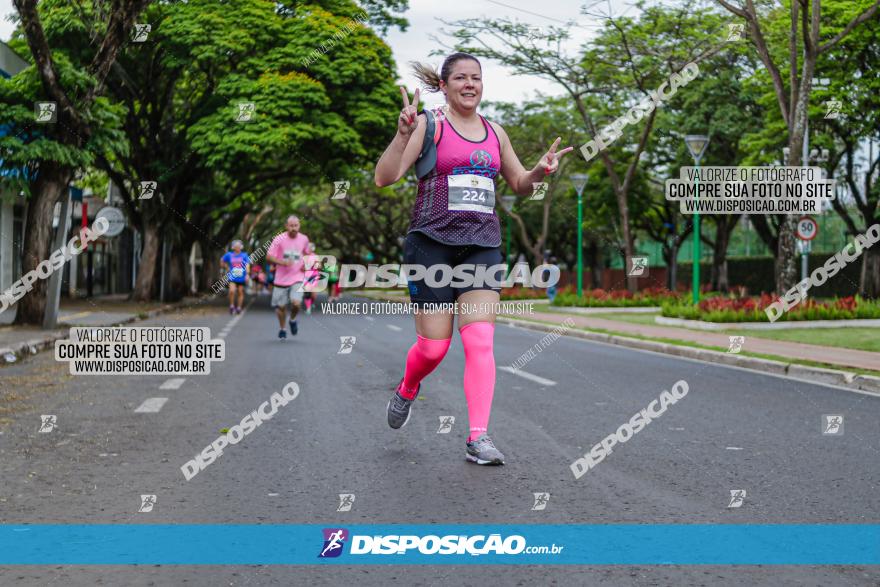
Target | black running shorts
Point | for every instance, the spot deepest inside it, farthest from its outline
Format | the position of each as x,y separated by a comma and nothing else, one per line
420,249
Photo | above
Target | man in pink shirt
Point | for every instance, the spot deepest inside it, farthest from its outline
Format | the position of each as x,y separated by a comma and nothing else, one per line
287,252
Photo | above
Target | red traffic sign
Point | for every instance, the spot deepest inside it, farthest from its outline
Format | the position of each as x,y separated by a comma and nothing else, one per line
807,228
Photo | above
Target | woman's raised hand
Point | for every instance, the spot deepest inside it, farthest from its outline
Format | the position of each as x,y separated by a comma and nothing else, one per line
408,119
550,161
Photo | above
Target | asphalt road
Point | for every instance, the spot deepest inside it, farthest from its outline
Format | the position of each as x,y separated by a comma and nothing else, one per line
734,430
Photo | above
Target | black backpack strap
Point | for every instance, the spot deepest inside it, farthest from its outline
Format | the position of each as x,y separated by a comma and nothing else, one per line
428,157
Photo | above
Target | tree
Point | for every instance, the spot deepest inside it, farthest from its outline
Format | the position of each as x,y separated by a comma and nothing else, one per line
531,127
802,46
627,60
75,94
183,90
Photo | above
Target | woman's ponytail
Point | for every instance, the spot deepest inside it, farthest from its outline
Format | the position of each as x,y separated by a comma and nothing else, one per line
427,75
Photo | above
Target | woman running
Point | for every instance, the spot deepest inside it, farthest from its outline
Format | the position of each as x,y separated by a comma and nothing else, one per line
311,282
236,264
453,222
333,289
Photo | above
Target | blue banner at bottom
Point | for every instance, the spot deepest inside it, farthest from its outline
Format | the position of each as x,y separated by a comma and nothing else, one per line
602,544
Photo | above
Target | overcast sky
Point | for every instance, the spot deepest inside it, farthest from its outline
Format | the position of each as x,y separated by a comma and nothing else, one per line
415,44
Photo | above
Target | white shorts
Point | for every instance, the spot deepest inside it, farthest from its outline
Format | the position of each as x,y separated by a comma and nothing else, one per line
286,295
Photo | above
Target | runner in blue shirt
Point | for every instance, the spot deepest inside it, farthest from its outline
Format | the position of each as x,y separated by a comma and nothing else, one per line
236,263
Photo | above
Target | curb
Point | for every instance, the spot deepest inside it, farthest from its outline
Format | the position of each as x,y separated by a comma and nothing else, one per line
35,345
783,325
845,379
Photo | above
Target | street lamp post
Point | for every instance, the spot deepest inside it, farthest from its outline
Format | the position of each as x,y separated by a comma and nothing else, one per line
507,202
696,144
579,180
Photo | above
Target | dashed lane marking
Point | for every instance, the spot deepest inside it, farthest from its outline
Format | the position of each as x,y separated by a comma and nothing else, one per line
151,405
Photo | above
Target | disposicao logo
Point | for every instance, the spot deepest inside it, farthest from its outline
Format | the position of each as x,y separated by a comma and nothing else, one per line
334,540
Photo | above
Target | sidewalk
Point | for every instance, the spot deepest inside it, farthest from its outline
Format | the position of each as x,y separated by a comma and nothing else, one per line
854,359
111,310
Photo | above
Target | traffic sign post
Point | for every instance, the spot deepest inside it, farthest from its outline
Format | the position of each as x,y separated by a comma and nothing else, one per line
115,220
807,229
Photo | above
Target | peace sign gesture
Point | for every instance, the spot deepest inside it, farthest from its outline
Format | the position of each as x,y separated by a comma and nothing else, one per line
407,121
550,161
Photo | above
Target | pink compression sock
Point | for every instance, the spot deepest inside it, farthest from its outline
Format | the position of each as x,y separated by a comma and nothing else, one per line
479,374
423,357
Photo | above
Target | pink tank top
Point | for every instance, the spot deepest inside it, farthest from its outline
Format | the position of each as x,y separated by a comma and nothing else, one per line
456,201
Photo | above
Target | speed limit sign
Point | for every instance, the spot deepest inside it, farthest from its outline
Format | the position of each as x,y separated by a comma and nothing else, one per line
807,228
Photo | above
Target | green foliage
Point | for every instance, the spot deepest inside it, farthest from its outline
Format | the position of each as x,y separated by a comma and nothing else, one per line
850,308
599,298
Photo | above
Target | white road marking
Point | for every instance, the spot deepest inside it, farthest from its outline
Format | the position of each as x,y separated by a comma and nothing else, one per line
394,328
732,448
174,383
529,376
153,404
273,495
679,429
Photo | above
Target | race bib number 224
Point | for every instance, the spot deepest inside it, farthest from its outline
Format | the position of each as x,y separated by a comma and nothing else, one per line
472,193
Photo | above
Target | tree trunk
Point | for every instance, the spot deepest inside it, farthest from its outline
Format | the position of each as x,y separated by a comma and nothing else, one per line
177,272
628,241
869,280
210,268
719,259
672,268
50,184
595,257
786,254
145,286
